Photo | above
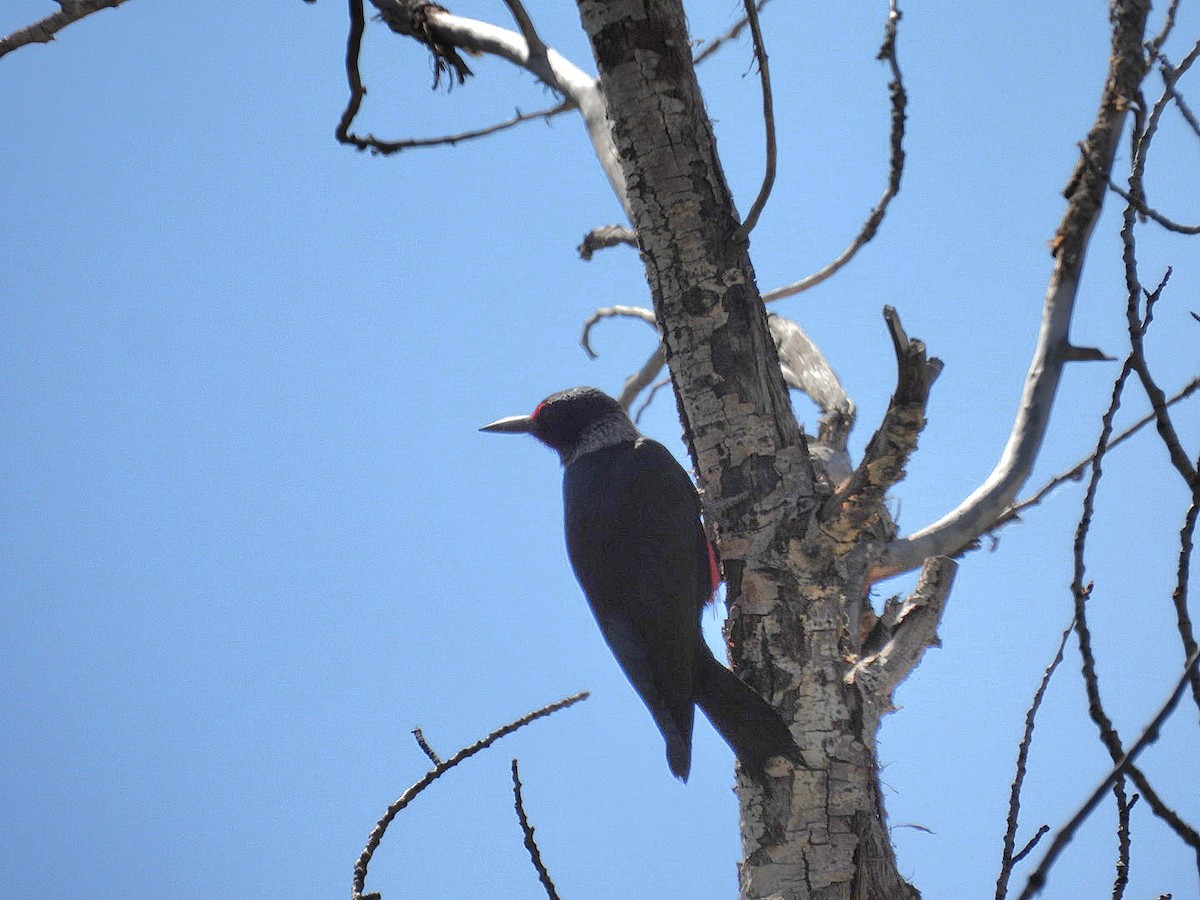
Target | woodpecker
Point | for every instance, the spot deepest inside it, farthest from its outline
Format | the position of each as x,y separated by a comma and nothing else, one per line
638,548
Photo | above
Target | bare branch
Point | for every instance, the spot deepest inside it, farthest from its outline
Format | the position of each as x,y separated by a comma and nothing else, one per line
1031,843
1168,26
387,148
716,43
1121,880
1008,859
882,466
425,748
535,855
1150,733
444,34
1075,473
1186,112
654,389
643,377
899,638
521,16
364,859
608,312
1143,135
1149,213
1081,591
806,369
1179,597
353,74
768,102
887,53
1169,76
604,237
1085,192
44,30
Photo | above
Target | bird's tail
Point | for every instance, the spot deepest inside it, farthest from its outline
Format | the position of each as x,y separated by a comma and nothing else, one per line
751,726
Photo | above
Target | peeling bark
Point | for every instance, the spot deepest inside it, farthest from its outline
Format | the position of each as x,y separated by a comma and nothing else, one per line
815,831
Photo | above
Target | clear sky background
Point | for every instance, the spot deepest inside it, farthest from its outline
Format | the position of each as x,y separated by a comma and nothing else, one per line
250,536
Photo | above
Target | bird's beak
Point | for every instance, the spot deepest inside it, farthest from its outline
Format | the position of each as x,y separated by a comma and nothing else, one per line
511,425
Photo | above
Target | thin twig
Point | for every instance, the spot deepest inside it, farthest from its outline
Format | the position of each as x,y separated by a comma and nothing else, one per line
1179,597
535,855
1149,213
1008,858
376,835
1138,325
353,75
608,312
426,749
716,43
1033,842
44,30
1124,839
654,389
1168,77
386,148
768,106
1037,879
899,102
1142,136
1168,25
1076,471
643,377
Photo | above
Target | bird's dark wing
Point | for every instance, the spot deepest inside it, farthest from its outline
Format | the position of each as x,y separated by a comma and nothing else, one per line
635,542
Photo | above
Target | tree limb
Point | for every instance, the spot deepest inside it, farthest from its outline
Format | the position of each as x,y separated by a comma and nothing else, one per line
444,33
1008,858
44,30
1076,472
806,369
901,635
882,466
604,237
1085,195
535,854
716,43
899,102
768,104
439,769
1150,733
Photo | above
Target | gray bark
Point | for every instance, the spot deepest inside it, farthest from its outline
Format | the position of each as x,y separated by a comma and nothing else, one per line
815,831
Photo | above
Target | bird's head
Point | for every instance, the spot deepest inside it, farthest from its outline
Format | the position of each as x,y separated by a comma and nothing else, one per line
571,421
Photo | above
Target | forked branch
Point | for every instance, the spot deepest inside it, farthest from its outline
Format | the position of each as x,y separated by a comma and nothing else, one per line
445,35
1149,734
1085,195
900,636
438,770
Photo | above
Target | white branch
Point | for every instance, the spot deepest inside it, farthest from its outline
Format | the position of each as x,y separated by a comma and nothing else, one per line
1086,189
548,65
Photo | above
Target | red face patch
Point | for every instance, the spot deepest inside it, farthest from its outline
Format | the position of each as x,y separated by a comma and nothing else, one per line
537,410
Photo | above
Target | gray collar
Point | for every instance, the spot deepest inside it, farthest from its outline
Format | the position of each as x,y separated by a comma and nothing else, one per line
609,431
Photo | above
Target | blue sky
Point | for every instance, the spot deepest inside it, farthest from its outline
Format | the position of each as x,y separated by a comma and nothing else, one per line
252,536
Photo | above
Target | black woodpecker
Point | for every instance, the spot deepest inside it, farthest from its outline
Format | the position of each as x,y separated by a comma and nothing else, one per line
638,548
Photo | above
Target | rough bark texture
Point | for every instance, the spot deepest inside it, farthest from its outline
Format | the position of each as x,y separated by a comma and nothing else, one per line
815,831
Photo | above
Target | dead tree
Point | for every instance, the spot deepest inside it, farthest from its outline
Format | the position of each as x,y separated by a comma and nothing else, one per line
803,534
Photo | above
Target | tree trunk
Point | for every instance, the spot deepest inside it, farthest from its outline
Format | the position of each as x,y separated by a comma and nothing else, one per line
815,831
